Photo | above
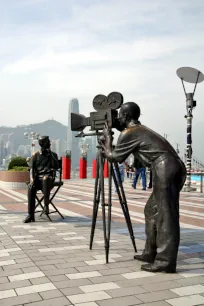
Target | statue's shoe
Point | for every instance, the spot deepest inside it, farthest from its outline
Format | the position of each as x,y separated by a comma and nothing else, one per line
29,219
158,268
144,258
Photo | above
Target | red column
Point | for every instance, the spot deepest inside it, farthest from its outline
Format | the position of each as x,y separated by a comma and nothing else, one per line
105,170
83,168
66,168
94,168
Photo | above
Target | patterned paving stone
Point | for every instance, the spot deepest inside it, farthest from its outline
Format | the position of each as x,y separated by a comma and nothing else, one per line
88,297
187,301
59,269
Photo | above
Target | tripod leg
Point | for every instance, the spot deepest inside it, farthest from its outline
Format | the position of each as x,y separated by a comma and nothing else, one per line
109,209
103,205
97,191
123,203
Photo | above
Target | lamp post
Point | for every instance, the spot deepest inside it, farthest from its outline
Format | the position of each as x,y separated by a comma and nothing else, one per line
33,136
194,76
177,148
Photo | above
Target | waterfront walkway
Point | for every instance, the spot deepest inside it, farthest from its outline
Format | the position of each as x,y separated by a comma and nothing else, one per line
46,263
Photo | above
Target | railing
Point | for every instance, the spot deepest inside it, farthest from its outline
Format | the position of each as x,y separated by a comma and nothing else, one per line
201,174
199,185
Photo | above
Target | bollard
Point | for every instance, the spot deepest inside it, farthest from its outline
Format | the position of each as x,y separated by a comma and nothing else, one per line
94,168
83,168
66,168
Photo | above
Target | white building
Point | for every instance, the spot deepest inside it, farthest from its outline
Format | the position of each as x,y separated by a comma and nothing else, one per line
72,141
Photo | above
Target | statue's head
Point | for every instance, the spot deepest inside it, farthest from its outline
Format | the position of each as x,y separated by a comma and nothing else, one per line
129,112
44,142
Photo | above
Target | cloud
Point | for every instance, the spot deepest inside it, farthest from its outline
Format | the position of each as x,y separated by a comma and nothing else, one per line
54,50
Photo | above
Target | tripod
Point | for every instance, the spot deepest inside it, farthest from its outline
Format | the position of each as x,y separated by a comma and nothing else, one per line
99,197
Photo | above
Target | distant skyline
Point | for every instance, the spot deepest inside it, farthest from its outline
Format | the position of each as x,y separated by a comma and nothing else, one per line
52,51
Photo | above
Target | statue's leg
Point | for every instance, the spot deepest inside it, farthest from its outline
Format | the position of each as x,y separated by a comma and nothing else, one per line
47,184
166,190
149,252
32,190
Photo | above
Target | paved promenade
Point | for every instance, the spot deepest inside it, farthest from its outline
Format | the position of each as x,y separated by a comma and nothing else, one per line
49,263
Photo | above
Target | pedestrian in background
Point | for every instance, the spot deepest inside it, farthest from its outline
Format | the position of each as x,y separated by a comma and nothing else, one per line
121,172
140,169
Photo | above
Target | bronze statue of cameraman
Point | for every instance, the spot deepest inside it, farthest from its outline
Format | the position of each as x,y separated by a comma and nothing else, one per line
169,173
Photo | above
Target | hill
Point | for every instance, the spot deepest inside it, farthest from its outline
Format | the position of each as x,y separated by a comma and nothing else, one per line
52,128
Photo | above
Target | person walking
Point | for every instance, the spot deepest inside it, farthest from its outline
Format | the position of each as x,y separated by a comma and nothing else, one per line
122,173
140,169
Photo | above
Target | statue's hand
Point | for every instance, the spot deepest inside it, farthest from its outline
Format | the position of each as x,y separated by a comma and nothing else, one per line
31,185
107,131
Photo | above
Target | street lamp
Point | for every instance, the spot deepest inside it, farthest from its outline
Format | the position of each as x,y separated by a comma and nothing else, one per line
33,136
177,148
194,76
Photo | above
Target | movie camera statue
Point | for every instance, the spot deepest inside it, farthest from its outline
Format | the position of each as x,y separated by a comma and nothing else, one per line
106,114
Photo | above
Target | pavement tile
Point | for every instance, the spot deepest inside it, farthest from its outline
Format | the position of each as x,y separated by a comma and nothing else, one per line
7,263
30,269
121,301
58,278
4,294
87,304
94,268
126,291
156,296
71,291
13,285
83,275
19,266
88,297
109,271
72,283
108,278
192,273
40,280
158,303
187,300
59,271
51,294
98,287
7,273
190,281
189,290
160,286
61,301
98,262
21,300
4,280
25,276
35,288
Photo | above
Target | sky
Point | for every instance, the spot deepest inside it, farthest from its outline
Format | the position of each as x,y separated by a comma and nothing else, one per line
52,51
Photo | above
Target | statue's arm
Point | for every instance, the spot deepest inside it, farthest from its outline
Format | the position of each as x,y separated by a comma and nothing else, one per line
32,169
124,147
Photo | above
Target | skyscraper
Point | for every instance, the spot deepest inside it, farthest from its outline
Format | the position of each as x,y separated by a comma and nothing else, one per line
72,141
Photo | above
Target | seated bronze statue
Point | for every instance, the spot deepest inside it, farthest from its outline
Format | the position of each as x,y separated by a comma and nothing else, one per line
168,175
43,165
